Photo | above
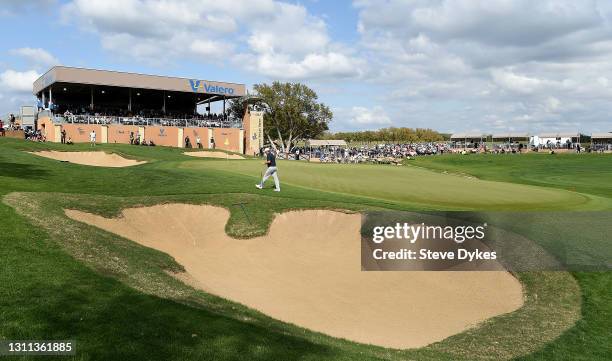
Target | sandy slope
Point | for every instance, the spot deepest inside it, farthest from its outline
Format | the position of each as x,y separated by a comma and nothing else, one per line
213,154
306,271
97,159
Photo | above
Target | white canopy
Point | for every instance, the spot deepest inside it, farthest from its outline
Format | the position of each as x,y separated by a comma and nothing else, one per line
323,143
602,135
510,135
461,136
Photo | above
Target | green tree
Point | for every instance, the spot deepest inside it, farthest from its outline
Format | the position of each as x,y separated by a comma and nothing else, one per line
236,107
392,134
292,113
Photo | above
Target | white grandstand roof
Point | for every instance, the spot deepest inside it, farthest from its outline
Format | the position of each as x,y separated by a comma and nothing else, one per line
559,135
468,136
602,135
510,135
331,142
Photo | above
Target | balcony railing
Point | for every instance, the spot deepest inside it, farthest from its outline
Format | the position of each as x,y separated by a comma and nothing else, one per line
140,121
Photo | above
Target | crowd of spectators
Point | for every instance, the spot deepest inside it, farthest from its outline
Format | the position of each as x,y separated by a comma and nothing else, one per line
34,135
378,153
82,115
550,145
11,124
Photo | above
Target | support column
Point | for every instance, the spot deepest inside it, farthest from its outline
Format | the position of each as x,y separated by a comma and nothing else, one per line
180,140
57,133
44,100
104,134
241,141
164,106
91,103
130,100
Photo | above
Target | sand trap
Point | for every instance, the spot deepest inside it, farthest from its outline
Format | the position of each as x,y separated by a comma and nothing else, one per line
213,154
306,271
97,159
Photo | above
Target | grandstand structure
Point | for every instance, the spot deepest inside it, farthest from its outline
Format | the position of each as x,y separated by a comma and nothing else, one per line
121,107
465,140
602,141
559,140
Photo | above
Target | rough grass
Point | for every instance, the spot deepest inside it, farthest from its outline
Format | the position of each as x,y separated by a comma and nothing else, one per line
552,299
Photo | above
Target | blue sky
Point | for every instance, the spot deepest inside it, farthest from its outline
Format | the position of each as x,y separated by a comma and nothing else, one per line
450,65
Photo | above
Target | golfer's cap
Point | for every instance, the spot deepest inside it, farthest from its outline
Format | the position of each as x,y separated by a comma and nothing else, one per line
267,150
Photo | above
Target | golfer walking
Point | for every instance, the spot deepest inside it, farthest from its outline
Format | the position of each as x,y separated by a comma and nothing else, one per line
271,171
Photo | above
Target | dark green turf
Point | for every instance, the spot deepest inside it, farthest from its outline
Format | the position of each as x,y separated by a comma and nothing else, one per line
48,294
586,173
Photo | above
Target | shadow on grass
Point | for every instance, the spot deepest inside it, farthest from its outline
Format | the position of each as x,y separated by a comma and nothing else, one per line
21,170
110,322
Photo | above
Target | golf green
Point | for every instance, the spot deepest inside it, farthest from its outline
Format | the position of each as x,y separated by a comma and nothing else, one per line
409,185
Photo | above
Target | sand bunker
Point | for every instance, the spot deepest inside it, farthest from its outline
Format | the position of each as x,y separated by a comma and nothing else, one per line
307,271
213,154
97,159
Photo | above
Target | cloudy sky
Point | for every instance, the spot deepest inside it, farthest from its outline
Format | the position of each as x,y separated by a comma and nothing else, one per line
451,65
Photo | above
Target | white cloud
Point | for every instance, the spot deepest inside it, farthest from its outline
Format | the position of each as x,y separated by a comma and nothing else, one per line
36,56
312,66
16,89
275,39
210,48
552,104
18,82
515,82
440,57
375,116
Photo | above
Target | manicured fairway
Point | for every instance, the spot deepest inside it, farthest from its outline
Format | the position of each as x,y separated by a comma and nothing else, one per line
411,185
587,173
62,279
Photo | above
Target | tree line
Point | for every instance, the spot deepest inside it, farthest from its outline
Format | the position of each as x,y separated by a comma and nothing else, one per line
391,134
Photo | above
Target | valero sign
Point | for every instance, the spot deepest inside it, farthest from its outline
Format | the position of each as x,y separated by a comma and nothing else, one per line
201,86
